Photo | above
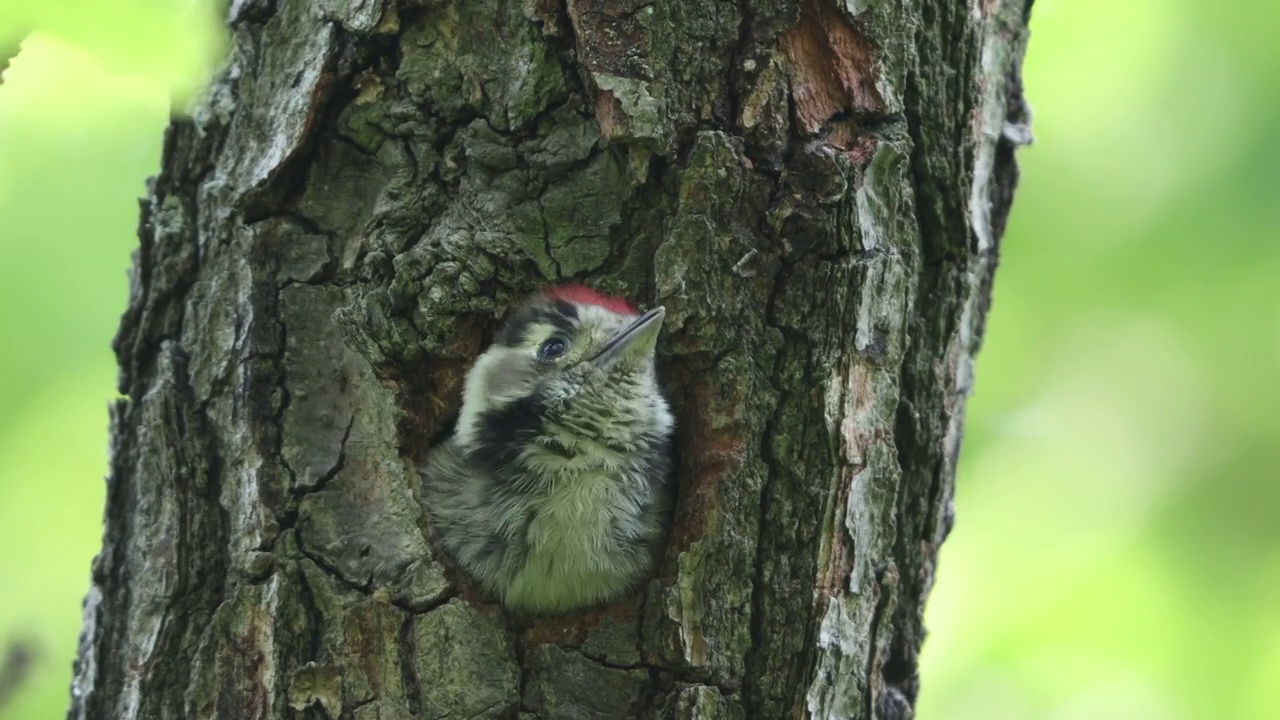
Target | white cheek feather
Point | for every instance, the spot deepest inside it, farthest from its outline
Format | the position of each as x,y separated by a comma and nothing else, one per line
479,394
474,399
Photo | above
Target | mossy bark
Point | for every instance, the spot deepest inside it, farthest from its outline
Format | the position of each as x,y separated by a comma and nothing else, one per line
815,190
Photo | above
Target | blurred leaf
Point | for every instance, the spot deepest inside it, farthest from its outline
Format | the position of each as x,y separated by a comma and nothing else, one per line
171,42
15,665
10,44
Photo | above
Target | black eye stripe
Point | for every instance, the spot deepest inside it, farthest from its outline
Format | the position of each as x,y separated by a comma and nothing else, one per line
568,310
515,328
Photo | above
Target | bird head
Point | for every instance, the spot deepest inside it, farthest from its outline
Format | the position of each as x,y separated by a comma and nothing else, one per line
572,355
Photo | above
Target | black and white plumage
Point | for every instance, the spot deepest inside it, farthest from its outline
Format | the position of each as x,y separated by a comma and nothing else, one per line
554,491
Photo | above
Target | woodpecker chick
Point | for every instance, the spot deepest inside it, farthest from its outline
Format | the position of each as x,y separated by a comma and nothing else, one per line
554,491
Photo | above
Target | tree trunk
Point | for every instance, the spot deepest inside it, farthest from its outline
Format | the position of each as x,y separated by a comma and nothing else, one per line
815,191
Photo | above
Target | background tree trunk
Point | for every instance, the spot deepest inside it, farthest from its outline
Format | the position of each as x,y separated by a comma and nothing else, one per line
814,190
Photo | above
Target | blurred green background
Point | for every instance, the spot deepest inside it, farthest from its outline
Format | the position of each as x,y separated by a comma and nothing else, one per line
1117,552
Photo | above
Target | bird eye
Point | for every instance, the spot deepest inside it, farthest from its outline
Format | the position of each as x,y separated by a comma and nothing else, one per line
553,348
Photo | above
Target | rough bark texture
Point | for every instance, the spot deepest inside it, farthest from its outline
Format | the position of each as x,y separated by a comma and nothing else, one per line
814,190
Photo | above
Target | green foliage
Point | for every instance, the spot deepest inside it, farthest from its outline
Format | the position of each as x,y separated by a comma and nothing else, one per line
1115,554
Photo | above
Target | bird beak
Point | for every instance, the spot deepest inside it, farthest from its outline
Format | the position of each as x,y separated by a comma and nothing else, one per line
635,341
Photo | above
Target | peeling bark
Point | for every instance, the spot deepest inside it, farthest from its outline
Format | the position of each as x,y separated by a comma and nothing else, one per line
815,190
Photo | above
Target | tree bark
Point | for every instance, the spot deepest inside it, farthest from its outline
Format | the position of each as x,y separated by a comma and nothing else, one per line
814,189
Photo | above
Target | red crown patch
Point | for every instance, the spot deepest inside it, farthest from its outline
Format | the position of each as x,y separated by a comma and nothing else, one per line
580,295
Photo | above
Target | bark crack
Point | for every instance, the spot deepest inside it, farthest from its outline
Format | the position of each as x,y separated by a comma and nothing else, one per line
364,588
752,689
